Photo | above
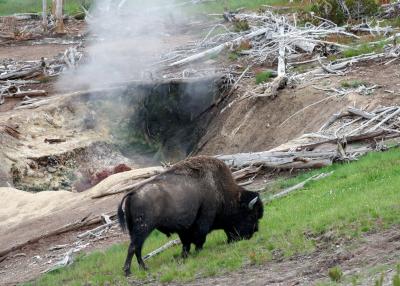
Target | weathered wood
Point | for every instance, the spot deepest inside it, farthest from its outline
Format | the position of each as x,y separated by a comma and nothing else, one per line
299,185
44,15
29,73
220,48
280,160
362,113
58,13
29,93
169,244
96,230
332,119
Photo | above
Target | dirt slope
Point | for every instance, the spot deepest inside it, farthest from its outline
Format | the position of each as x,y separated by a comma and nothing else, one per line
254,124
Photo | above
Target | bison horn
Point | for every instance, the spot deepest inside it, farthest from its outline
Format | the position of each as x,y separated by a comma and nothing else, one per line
252,203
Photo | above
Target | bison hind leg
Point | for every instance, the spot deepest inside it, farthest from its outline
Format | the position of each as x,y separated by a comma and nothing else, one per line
128,261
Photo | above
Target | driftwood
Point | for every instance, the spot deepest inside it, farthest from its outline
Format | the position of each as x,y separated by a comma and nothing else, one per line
300,185
28,93
10,131
169,244
280,160
220,48
24,74
98,230
54,140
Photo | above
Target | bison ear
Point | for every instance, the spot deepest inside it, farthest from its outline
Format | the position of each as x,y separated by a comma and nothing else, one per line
252,203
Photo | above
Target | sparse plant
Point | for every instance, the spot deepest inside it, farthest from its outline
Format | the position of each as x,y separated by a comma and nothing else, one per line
379,282
340,11
263,76
396,277
233,56
241,25
353,83
335,274
253,257
364,48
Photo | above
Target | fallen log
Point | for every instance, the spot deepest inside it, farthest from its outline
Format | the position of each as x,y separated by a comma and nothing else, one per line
28,93
362,113
280,160
24,74
169,244
221,47
299,185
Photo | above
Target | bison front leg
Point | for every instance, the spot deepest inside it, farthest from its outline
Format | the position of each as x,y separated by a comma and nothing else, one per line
185,238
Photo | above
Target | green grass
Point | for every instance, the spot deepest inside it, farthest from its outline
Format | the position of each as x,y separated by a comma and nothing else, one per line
9,7
220,6
364,48
353,83
356,198
263,76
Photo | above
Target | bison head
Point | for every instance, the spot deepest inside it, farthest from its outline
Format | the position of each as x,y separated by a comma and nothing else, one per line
245,221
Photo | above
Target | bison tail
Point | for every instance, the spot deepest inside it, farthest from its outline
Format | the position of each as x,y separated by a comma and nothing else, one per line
121,215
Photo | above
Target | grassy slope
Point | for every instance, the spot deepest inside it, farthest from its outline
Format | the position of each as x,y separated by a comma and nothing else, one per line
358,197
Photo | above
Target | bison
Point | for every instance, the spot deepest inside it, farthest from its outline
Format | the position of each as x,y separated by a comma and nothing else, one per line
192,198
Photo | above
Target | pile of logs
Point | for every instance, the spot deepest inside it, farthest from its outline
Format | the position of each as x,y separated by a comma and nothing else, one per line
333,142
15,75
274,38
390,11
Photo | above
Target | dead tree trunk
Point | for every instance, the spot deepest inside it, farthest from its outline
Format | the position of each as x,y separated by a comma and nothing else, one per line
58,6
44,15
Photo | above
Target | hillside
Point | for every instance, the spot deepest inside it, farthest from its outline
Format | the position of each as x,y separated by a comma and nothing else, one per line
323,226
293,96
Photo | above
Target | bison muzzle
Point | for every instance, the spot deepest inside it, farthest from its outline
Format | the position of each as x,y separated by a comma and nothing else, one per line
192,198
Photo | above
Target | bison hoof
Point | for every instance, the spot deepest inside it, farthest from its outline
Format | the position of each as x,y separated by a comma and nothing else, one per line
127,273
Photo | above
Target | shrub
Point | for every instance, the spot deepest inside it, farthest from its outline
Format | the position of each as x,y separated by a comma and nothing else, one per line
332,10
241,25
353,83
263,76
335,274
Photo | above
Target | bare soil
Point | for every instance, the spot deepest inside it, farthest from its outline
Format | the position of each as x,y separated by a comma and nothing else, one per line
255,124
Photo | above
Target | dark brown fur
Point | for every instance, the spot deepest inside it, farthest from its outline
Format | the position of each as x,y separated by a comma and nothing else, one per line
192,198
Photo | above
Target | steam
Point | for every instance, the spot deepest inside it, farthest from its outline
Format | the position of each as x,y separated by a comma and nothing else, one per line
128,37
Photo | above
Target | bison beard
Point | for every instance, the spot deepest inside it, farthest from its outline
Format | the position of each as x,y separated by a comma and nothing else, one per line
192,198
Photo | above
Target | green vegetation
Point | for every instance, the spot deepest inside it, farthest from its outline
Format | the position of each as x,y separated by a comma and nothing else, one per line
232,5
263,76
8,7
331,9
240,26
364,48
396,277
356,198
353,83
335,274
233,56
379,281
